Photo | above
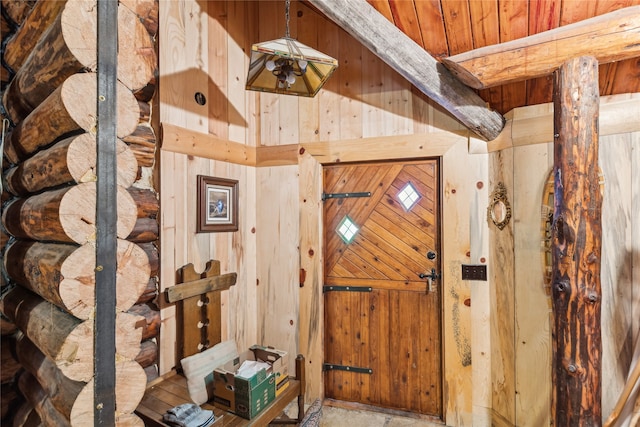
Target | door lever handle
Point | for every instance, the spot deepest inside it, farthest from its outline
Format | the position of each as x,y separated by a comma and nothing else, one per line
433,275
430,278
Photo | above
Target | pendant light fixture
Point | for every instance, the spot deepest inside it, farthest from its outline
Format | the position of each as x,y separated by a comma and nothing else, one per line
288,67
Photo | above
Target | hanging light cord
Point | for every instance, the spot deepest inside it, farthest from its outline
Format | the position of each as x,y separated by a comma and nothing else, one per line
286,14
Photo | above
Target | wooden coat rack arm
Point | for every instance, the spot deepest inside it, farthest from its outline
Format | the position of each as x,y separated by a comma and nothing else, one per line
193,288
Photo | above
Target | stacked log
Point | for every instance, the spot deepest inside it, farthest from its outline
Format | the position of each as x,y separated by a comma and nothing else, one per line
65,339
74,399
67,214
64,274
34,21
48,215
72,160
69,46
14,14
71,108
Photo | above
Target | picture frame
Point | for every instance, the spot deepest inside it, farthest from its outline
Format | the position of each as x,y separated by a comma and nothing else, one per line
217,209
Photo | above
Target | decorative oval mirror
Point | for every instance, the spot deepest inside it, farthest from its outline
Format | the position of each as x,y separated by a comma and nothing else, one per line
499,210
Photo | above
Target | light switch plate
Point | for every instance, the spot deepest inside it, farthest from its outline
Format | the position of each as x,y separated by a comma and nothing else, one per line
474,272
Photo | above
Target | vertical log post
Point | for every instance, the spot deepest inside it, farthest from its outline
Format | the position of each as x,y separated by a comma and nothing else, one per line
576,247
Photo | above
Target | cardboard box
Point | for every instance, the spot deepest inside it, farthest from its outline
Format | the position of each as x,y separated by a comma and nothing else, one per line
278,359
245,397
281,385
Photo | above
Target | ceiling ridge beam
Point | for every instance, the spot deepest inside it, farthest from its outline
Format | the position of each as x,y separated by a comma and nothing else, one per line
410,60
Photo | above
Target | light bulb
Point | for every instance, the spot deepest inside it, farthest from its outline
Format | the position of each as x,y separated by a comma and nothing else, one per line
303,66
270,65
291,79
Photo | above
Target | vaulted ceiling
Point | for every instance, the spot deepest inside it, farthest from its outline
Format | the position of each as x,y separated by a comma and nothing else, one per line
450,27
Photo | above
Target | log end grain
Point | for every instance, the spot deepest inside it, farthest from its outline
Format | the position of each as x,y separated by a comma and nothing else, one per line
75,357
130,329
77,288
79,94
132,381
81,161
137,61
136,54
78,213
130,387
79,22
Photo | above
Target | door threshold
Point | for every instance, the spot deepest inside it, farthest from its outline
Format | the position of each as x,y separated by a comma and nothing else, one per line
354,406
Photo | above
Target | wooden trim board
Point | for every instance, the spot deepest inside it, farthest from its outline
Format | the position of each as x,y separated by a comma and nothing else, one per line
534,124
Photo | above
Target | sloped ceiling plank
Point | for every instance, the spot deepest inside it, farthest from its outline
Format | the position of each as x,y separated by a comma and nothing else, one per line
457,21
485,30
627,77
611,37
543,16
612,81
405,18
514,18
383,7
384,39
432,28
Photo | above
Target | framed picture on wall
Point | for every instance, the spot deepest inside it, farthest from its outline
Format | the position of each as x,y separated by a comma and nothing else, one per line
217,204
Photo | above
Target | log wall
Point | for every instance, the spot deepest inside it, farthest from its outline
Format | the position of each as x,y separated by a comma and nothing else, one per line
48,221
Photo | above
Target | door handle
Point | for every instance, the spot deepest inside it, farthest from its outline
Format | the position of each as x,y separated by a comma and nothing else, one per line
430,278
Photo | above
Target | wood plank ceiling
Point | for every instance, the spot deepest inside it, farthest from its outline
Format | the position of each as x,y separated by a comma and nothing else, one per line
449,27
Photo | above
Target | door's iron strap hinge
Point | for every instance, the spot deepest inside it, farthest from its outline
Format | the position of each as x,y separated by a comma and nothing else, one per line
357,370
326,196
332,288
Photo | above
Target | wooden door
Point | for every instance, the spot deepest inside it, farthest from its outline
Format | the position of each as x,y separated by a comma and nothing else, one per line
382,322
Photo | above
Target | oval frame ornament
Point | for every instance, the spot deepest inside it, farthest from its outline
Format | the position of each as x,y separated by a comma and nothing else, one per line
499,209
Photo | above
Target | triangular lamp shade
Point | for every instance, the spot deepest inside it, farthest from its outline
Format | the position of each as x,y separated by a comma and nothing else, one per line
288,67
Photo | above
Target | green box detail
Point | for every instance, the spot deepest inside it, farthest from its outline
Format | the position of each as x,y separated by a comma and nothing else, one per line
253,395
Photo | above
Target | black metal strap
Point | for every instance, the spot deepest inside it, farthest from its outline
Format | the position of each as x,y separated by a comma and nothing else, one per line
356,369
333,288
106,217
326,196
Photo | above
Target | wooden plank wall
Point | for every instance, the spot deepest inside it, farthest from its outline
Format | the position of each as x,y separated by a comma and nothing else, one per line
502,297
278,210
193,53
496,333
521,309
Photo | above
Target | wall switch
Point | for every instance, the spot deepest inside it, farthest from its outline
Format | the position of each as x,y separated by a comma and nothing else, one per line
474,272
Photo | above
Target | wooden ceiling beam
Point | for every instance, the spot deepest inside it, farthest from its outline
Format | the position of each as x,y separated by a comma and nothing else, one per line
390,44
614,36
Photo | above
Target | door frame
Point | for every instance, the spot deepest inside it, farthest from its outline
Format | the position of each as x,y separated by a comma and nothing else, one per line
464,398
